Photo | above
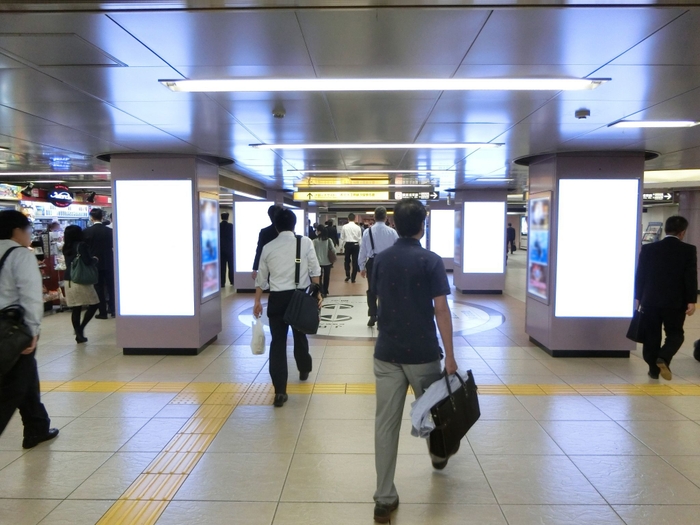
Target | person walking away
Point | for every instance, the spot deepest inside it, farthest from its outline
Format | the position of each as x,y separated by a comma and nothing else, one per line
350,237
21,283
100,240
412,287
375,240
78,295
510,235
226,252
277,269
666,287
332,232
323,244
265,236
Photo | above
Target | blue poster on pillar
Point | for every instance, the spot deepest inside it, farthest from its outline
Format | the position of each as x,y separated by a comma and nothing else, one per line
538,246
209,228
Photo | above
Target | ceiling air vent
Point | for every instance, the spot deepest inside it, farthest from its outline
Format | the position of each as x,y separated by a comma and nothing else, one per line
55,49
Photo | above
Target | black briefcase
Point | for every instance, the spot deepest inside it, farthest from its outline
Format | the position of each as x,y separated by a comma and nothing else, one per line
453,417
635,332
302,312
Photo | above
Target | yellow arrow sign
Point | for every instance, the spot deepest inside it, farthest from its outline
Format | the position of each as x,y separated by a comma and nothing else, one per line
341,196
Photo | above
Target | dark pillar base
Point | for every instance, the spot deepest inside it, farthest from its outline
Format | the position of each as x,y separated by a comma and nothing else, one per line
483,292
168,351
582,353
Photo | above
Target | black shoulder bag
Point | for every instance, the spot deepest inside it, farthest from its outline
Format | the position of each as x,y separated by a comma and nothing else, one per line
302,313
370,260
15,335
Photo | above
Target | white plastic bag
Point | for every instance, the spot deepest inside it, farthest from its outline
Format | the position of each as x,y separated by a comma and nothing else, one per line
257,343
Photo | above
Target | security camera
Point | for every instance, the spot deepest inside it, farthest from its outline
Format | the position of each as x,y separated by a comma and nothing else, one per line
582,114
279,112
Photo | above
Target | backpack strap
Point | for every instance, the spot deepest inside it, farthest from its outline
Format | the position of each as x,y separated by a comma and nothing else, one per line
297,270
371,240
7,254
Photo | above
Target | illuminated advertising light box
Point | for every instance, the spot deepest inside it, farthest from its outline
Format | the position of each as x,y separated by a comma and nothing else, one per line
248,219
539,207
149,286
595,275
209,231
300,227
484,241
442,233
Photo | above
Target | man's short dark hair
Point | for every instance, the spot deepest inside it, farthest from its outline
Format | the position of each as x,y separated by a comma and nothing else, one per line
10,220
380,213
272,211
510,224
285,220
675,225
351,217
409,216
97,214
224,216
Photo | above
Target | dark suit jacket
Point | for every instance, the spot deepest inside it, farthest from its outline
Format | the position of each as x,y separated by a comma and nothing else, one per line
266,235
667,275
101,243
511,233
226,235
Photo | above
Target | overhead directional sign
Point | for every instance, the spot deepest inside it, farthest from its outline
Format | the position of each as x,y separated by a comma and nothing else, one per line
658,197
341,196
420,195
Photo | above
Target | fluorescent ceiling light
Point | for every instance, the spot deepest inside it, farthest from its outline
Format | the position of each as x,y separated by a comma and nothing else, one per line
490,179
427,145
250,196
47,181
62,173
383,84
369,172
653,124
84,187
691,175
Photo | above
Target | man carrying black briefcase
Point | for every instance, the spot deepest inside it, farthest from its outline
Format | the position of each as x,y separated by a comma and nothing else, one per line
412,288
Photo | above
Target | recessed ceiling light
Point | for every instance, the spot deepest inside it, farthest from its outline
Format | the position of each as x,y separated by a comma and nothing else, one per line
369,172
653,124
689,175
383,84
429,145
248,195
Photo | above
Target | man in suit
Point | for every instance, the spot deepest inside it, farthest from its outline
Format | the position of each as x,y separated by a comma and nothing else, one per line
99,239
666,287
226,252
510,231
266,235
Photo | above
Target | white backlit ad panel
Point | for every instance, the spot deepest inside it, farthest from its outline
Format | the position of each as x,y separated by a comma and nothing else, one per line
484,237
148,288
595,274
300,228
248,219
442,233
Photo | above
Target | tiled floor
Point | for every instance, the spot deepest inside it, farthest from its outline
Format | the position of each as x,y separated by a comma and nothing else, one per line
193,440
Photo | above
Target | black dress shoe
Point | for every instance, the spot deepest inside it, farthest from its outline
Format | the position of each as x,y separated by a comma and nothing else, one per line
696,351
382,513
653,375
372,321
33,441
101,317
303,376
347,279
280,400
81,339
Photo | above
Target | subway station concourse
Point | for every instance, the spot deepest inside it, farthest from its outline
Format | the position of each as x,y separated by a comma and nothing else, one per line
576,124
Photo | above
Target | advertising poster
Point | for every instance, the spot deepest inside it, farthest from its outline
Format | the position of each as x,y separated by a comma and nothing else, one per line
538,246
458,237
209,224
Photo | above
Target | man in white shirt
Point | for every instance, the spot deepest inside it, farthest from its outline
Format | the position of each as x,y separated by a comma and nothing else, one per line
374,240
277,268
350,237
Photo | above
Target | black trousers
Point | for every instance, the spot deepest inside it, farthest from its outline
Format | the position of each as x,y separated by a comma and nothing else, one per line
105,291
276,306
371,298
352,252
225,260
512,246
325,278
19,388
672,320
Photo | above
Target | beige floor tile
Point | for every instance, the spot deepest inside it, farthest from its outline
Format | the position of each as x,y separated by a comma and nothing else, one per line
8,456
77,512
517,367
349,352
561,515
505,352
96,434
71,403
635,480
154,435
114,476
689,466
538,480
658,514
323,514
177,411
25,511
634,408
562,408
511,437
322,377
11,439
236,477
49,474
502,407
668,438
319,436
594,438
347,367
122,404
323,406
257,435
528,379
217,512
686,405
295,408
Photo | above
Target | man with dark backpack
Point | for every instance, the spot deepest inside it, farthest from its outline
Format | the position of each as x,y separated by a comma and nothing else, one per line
21,284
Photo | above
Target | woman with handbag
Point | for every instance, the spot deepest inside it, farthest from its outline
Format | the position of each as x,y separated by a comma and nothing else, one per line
21,291
79,292
325,253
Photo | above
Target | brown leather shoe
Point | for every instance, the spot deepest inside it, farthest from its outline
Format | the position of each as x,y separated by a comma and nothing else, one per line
664,370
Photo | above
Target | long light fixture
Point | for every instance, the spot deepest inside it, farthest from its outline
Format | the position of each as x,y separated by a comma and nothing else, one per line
653,124
426,145
248,195
88,187
368,172
61,173
383,84
490,179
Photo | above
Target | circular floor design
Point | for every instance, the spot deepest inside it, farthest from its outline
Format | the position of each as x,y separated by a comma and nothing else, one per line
346,317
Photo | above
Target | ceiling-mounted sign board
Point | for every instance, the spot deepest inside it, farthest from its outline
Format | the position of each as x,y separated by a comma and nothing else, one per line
341,196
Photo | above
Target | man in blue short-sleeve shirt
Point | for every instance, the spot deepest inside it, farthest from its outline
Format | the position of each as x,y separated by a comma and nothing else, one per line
412,288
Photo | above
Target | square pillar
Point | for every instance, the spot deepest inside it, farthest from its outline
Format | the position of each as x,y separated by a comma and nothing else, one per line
166,218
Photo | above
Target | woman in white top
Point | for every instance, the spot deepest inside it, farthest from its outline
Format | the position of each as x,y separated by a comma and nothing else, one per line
323,245
21,284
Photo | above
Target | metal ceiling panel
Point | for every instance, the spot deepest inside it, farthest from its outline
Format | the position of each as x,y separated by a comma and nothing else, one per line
309,109
78,114
469,132
58,49
29,85
494,107
7,62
